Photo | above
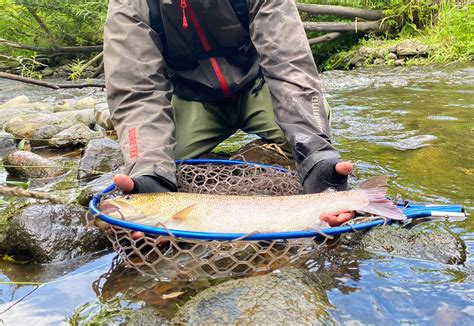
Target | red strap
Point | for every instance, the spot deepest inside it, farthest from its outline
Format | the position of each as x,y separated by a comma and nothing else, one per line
207,48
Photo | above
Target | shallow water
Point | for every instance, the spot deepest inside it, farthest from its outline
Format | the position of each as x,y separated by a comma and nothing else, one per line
414,124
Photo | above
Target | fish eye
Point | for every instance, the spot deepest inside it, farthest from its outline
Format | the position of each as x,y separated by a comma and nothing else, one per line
128,197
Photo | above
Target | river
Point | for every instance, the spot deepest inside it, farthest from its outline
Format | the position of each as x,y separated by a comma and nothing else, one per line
415,124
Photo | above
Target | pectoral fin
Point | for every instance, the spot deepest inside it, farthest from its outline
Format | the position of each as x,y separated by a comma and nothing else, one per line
184,213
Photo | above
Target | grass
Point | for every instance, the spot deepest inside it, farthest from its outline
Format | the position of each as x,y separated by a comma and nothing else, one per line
446,28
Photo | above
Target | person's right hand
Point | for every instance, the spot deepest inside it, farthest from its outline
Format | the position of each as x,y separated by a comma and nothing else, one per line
141,184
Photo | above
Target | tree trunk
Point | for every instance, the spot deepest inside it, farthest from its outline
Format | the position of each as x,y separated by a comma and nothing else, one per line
46,84
340,11
324,38
373,26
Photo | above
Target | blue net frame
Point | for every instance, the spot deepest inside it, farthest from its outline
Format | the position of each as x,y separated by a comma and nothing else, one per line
412,211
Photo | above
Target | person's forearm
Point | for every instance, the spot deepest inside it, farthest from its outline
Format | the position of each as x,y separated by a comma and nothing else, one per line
290,72
138,93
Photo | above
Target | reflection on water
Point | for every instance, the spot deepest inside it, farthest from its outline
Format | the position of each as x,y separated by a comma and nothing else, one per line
414,124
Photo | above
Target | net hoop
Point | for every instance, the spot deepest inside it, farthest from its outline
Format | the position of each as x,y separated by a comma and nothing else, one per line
411,211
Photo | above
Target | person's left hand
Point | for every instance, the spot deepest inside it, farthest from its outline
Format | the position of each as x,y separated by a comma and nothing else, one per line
329,174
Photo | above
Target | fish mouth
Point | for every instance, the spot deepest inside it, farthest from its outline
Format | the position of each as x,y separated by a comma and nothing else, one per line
123,211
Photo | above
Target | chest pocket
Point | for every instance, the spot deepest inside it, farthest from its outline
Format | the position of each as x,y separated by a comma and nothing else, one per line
225,27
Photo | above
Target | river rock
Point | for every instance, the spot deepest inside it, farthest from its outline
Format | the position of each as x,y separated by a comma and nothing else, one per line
7,143
399,62
18,106
64,106
85,103
43,107
29,165
100,156
19,101
264,152
102,116
392,56
47,233
77,116
75,136
429,241
285,297
38,128
411,48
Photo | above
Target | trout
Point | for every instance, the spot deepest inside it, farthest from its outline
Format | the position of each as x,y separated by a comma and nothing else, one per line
247,214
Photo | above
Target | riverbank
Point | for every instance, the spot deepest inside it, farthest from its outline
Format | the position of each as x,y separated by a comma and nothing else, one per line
429,34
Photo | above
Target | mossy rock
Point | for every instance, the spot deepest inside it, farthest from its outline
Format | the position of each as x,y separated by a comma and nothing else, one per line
284,297
428,241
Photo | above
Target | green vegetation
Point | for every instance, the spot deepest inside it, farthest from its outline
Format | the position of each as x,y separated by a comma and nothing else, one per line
444,26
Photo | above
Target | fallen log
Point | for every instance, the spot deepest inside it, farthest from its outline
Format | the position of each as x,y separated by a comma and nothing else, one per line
372,26
46,84
324,38
340,11
55,50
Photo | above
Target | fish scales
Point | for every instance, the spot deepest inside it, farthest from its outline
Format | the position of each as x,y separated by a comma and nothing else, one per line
246,214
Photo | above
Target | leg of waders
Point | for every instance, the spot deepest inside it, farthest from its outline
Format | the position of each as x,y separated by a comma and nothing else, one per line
257,117
201,126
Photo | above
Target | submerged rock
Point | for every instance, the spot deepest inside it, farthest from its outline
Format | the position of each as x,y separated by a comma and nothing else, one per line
7,143
29,165
75,136
39,127
264,152
284,297
47,233
100,156
428,241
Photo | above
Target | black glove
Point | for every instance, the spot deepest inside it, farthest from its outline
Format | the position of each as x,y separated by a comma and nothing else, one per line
146,184
323,176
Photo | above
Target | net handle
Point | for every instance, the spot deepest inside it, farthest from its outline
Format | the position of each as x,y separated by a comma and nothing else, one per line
411,211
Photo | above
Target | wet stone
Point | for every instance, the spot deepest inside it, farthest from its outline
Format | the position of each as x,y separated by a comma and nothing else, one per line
7,143
29,165
77,116
76,136
102,116
47,233
100,156
283,297
263,152
39,128
17,102
432,241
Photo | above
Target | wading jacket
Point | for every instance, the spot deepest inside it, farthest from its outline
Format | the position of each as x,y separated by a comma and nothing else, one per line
208,56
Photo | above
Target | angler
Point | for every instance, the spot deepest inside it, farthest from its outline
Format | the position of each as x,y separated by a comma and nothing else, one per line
182,76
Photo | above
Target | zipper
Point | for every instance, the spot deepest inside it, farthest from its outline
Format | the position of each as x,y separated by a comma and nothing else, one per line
205,44
184,5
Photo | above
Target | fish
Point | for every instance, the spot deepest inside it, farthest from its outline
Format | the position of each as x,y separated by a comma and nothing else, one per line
249,214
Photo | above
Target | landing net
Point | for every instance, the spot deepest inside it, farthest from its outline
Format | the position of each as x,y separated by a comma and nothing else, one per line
169,255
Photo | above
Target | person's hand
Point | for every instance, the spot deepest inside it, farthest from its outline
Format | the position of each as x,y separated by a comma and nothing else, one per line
141,184
329,174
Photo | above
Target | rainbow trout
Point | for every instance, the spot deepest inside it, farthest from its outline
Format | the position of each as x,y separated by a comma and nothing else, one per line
246,214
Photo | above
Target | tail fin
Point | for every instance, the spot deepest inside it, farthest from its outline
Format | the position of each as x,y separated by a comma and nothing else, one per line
376,190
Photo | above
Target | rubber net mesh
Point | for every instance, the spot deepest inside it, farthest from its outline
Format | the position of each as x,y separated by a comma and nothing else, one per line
168,258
